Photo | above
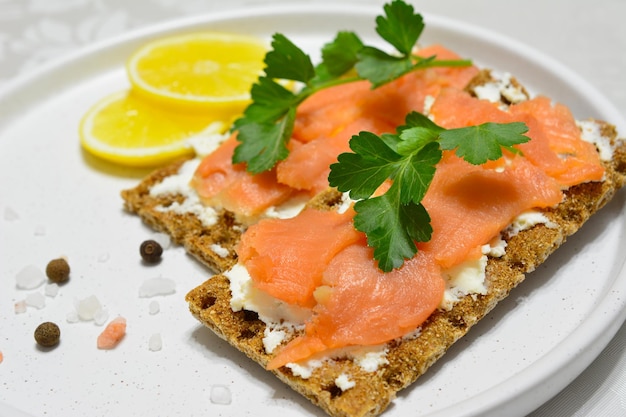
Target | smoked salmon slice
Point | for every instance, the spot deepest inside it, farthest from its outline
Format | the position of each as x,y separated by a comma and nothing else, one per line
324,124
287,257
364,306
222,184
555,148
567,158
469,205
327,120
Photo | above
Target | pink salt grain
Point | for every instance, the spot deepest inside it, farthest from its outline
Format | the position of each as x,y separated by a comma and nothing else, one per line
112,334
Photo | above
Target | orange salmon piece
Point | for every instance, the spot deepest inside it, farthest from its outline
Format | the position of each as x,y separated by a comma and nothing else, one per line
308,164
364,306
327,120
286,257
222,184
469,205
556,147
561,153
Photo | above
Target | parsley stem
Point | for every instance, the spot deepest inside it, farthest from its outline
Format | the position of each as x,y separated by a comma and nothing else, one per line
430,62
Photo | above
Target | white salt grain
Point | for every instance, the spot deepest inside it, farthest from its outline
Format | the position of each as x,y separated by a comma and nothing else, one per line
20,307
72,317
29,277
40,230
103,257
87,308
100,317
157,286
154,307
51,290
162,239
220,394
36,300
155,343
10,214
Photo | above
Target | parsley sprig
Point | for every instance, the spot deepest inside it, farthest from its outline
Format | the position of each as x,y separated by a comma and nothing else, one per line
395,220
267,123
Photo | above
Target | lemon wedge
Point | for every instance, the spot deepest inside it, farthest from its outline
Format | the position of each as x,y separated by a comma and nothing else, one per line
206,70
127,129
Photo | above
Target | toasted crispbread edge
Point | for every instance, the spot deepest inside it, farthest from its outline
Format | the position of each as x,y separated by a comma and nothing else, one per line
185,228
410,358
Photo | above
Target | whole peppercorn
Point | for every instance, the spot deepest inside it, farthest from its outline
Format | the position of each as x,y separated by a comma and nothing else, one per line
58,270
151,251
47,334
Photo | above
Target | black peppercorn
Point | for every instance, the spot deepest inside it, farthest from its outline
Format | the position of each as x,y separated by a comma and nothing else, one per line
151,251
47,334
58,270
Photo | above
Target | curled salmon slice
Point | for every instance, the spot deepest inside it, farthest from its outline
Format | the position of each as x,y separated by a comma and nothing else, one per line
360,305
222,184
555,146
287,257
560,152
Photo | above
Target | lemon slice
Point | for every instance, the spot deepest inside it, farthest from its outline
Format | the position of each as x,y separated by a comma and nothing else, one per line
204,70
127,129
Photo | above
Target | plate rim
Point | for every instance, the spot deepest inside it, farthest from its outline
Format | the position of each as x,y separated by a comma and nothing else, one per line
571,354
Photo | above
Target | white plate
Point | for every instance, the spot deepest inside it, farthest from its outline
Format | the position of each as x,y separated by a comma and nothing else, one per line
68,203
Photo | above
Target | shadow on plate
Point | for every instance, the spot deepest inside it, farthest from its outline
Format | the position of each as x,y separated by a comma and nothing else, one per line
208,340
587,235
114,170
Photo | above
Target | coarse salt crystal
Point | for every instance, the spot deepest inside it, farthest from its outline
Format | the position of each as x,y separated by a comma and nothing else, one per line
20,307
220,394
87,308
155,343
72,317
29,277
100,317
154,307
157,286
103,257
162,239
51,290
36,300
10,214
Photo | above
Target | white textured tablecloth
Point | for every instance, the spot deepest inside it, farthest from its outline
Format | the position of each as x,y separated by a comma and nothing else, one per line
587,36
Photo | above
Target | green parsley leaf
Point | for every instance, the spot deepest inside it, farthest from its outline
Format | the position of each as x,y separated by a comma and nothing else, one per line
379,67
400,26
268,114
385,224
262,155
287,61
271,101
395,220
479,144
340,55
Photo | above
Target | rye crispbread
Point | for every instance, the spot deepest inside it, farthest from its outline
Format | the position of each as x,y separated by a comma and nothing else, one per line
408,358
185,228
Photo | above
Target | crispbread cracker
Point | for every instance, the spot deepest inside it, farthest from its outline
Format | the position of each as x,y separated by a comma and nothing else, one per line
410,358
407,358
185,228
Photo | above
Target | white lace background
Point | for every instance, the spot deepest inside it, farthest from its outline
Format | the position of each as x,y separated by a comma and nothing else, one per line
589,37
